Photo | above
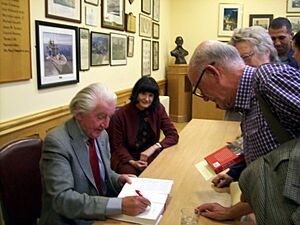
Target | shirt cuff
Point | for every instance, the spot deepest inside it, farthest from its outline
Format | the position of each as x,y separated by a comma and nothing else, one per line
114,206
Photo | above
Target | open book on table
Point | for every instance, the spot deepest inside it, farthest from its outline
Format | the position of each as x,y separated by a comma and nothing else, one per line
226,156
156,190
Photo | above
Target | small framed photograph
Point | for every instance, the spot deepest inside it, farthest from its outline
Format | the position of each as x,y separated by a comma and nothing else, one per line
156,10
295,21
93,2
130,46
155,30
230,17
146,6
113,14
293,6
64,10
155,55
118,49
145,26
84,45
99,49
56,51
91,16
146,57
262,20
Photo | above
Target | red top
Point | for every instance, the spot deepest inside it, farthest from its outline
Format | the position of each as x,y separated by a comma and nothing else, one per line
123,130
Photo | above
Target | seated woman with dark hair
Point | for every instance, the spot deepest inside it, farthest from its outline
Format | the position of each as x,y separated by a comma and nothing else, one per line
134,129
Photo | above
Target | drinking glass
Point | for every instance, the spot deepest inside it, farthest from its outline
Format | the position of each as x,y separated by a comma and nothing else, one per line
188,216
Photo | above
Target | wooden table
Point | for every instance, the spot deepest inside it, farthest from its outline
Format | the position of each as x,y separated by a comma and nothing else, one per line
190,189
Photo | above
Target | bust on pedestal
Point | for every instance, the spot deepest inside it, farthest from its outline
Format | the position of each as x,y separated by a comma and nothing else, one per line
179,52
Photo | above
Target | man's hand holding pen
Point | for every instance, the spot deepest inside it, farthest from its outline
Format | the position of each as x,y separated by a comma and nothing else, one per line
134,205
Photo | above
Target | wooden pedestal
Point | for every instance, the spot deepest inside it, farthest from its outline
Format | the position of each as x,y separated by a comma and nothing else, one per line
180,92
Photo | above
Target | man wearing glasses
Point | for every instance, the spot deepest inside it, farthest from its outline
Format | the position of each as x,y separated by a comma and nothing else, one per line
280,30
219,74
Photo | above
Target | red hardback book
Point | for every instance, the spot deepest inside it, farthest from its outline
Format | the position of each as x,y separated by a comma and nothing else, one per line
223,158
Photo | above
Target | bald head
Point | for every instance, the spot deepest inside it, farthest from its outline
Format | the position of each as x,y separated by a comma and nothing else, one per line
215,71
211,51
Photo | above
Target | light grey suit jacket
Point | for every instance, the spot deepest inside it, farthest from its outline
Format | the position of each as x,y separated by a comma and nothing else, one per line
70,195
271,185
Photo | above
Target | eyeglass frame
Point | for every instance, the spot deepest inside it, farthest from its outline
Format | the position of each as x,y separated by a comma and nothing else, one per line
248,55
194,92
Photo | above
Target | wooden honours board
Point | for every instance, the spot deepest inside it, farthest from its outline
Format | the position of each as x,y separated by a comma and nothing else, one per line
14,41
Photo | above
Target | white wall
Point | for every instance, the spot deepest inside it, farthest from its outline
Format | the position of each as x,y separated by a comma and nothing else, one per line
194,20
22,98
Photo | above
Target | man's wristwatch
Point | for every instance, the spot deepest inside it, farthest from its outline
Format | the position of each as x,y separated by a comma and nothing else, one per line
158,145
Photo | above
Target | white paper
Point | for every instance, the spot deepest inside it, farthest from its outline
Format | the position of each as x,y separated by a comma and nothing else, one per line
205,170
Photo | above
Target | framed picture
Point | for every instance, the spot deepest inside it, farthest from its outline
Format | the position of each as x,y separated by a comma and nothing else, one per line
295,21
130,23
99,49
84,63
118,49
230,17
262,20
113,14
293,6
130,46
155,55
156,10
146,6
93,2
146,57
91,15
155,30
145,26
56,51
64,10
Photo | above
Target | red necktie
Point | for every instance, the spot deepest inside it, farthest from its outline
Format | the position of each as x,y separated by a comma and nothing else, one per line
95,165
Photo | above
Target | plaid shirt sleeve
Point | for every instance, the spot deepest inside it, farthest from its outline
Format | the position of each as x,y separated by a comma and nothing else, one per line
279,84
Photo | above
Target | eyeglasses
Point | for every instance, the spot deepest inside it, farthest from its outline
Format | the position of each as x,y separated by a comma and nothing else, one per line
247,56
196,91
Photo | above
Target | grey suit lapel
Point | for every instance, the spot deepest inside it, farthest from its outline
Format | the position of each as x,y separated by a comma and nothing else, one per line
80,149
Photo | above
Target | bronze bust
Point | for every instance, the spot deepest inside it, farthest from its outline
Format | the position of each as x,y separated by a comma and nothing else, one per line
179,52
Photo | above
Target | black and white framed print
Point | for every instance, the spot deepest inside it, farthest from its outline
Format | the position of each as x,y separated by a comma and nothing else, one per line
84,46
155,55
146,57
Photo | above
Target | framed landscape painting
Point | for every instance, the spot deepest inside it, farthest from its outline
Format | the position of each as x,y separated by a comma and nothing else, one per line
230,17
99,49
113,14
262,20
118,49
295,21
64,10
56,51
293,6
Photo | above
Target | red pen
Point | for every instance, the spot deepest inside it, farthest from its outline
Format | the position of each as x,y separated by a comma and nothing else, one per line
139,193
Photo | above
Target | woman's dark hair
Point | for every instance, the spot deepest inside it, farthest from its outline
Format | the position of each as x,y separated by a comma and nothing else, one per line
296,39
146,84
